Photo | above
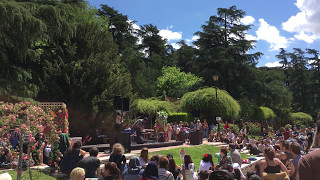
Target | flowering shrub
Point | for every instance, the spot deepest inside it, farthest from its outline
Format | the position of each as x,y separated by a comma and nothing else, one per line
60,115
253,127
234,127
28,120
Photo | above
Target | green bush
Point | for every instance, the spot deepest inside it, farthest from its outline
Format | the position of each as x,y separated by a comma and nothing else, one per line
177,117
234,127
264,113
300,118
152,106
254,128
205,99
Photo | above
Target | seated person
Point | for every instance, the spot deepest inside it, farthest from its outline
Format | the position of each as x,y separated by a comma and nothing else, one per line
225,161
134,170
271,164
72,157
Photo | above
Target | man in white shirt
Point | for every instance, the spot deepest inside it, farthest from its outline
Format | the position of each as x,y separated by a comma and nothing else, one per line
198,126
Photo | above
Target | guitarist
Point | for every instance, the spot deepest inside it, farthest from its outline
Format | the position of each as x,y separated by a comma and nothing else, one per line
138,126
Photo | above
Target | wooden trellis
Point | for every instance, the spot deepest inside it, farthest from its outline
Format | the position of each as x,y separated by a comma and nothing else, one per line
45,105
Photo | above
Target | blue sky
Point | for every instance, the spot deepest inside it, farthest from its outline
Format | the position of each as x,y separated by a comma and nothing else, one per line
275,23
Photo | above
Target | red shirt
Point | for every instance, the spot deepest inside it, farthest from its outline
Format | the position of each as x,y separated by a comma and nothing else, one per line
226,126
286,135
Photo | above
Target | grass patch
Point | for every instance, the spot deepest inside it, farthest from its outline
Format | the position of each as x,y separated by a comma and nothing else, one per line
195,152
36,175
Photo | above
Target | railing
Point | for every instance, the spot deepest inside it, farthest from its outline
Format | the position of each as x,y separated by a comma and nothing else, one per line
45,105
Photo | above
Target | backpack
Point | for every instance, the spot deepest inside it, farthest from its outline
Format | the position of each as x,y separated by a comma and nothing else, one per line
221,175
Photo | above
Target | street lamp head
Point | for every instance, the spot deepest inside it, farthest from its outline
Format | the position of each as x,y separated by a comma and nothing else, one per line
215,78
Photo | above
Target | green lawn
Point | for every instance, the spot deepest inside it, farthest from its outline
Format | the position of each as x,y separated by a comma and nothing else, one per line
195,152
36,175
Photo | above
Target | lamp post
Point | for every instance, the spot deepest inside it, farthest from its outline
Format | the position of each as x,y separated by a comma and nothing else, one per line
215,79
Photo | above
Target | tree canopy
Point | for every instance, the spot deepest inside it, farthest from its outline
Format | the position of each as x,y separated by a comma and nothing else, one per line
210,107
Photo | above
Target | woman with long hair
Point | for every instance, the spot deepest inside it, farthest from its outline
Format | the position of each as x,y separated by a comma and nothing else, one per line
117,156
151,172
173,168
206,163
271,164
188,168
144,157
111,172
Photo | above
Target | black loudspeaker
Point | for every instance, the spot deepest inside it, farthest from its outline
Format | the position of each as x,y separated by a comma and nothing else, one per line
195,112
126,104
117,102
123,138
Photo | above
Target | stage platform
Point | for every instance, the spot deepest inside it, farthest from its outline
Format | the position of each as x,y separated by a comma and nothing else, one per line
102,147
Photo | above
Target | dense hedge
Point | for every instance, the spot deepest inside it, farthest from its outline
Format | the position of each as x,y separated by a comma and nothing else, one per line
301,117
177,117
264,113
152,106
205,99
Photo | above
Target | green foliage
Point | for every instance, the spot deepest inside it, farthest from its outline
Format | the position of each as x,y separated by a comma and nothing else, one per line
234,127
175,82
264,113
253,128
177,117
152,106
301,118
205,99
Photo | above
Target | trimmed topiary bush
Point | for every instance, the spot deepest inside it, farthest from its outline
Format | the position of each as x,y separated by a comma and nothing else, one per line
301,118
177,117
264,113
152,106
205,99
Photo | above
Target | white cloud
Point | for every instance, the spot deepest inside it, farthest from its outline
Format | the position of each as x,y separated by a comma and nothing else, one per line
272,35
194,38
170,35
273,64
250,37
175,45
305,23
247,20
305,37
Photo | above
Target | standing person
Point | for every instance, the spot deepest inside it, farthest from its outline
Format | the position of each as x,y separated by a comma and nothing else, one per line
91,164
206,163
175,126
117,156
198,125
151,172
64,143
170,131
205,129
295,151
309,165
72,157
163,172
309,137
286,134
226,126
235,155
111,172
144,157
118,123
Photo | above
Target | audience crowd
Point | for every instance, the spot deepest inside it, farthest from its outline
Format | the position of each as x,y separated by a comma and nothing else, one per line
291,154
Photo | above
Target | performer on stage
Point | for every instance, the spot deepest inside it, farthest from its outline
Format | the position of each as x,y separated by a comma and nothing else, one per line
138,127
118,122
